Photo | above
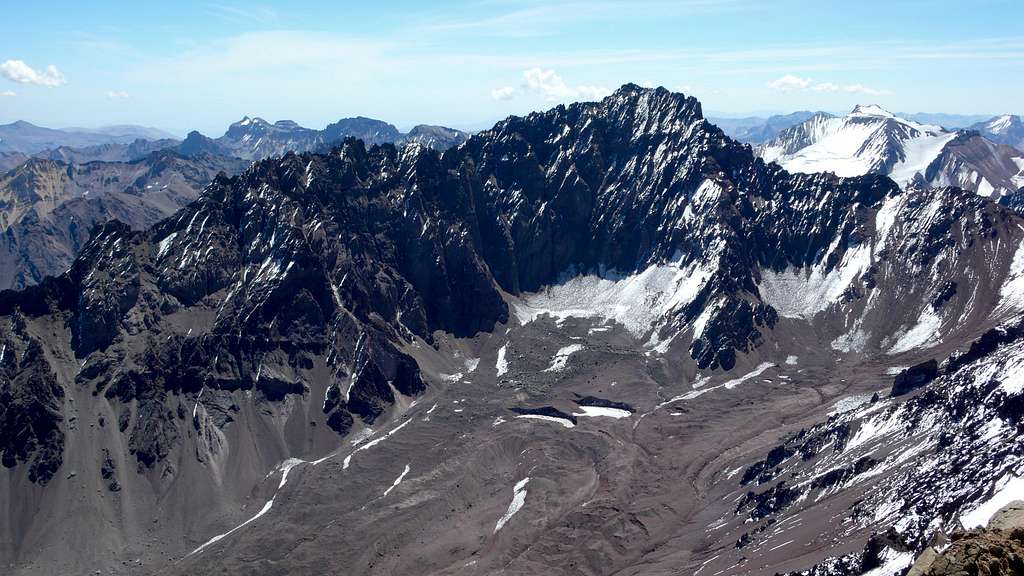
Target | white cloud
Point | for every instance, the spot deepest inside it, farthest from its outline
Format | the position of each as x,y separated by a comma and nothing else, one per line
8,93
551,86
547,83
503,93
592,92
117,95
790,82
862,89
18,71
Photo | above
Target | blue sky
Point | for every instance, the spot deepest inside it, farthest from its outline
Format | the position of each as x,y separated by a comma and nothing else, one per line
202,65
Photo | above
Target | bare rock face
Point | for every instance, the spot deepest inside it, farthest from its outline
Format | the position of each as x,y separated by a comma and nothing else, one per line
915,377
31,412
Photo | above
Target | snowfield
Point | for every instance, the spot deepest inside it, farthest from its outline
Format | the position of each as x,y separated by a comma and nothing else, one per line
638,301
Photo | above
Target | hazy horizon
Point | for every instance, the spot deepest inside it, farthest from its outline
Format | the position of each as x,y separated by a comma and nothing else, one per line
181,132
201,66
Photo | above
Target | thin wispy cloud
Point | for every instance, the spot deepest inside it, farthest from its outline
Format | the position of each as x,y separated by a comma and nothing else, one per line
20,72
94,42
791,83
525,19
8,93
243,13
117,95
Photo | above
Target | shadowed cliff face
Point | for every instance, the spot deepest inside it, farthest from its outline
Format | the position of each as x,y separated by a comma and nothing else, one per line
315,301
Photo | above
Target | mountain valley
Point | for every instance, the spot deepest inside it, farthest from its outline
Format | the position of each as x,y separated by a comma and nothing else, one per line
601,339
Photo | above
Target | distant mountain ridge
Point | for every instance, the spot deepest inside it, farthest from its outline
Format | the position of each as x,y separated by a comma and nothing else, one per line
251,138
112,152
27,138
49,206
126,131
256,138
1006,129
949,121
756,130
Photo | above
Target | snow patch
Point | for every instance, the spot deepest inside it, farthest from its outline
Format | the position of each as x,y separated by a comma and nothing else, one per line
924,333
372,443
397,480
165,245
1011,295
603,411
1007,489
518,499
729,385
285,467
563,421
561,357
501,365
893,563
219,537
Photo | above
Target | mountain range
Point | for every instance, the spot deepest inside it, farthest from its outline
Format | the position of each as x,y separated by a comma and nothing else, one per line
871,140
255,138
760,129
51,198
249,139
601,339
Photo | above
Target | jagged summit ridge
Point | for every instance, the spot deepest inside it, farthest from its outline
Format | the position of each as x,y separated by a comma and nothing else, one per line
254,138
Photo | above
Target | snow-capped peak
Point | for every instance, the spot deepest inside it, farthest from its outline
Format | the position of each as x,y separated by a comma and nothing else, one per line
1000,124
873,110
249,121
868,140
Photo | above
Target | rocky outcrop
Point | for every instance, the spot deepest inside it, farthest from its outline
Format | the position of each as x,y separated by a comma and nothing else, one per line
31,409
915,377
981,552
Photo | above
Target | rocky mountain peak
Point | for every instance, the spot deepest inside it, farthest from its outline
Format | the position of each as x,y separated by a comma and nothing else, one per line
1003,124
